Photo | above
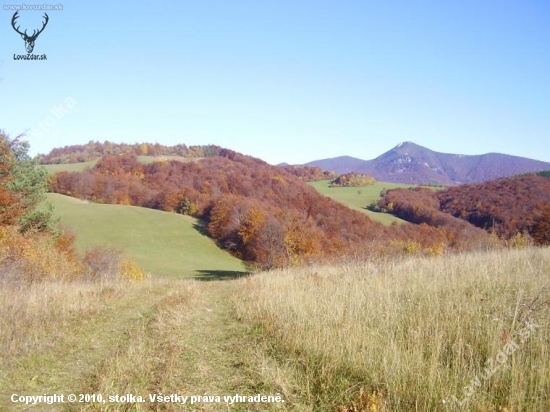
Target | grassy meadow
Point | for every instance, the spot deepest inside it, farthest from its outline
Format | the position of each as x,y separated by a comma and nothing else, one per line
401,335
69,167
164,244
410,335
156,337
359,198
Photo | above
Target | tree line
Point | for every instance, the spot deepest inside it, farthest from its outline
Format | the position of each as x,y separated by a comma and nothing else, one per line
94,150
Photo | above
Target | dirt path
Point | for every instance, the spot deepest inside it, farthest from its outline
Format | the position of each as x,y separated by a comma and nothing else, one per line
174,338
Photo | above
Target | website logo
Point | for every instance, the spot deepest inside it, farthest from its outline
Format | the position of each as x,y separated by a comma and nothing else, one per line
29,40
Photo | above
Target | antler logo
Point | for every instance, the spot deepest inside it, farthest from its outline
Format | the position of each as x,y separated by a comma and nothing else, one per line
29,40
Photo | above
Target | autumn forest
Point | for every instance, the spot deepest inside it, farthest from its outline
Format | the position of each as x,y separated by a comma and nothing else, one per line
269,217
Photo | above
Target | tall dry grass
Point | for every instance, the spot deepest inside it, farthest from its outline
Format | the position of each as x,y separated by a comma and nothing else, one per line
412,334
91,337
39,316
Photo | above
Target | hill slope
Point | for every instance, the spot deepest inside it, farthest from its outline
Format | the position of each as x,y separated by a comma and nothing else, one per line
414,164
508,206
161,243
359,197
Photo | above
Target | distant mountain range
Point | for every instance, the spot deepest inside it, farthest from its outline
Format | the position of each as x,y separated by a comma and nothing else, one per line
411,163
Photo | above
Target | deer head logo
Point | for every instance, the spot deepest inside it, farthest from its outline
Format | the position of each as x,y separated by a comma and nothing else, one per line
29,40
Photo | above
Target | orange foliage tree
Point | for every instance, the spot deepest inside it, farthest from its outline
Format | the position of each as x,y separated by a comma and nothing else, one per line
541,230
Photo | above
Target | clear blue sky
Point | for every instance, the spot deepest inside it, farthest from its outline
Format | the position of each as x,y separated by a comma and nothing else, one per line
284,80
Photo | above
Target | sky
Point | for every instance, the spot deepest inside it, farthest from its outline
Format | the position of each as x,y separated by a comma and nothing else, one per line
285,81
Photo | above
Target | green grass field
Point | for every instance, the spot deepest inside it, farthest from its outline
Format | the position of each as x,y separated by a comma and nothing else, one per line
70,167
359,197
81,166
165,244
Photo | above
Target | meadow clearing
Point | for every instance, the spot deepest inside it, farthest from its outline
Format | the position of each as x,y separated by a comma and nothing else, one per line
399,335
165,244
358,198
417,334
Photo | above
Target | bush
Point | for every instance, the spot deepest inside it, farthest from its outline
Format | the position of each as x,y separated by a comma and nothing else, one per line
33,258
104,264
129,270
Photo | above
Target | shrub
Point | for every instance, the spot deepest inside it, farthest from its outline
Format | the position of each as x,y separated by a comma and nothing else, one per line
104,264
520,240
33,258
129,270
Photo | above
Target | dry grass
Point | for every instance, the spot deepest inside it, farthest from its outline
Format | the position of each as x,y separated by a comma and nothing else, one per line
86,337
409,335
148,357
33,317
154,337
396,335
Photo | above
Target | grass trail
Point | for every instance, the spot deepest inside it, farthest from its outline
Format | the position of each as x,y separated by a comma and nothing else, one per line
164,337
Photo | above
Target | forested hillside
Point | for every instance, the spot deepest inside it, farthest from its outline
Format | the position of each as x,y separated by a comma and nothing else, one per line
309,173
259,212
505,206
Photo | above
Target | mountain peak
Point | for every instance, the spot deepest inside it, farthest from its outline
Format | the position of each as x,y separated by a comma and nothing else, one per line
408,145
411,163
406,149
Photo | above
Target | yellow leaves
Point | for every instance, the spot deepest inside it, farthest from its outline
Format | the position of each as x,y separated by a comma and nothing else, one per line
519,240
123,199
3,234
299,241
368,402
411,247
193,209
353,180
218,217
278,179
435,250
129,270
36,258
33,258
254,220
